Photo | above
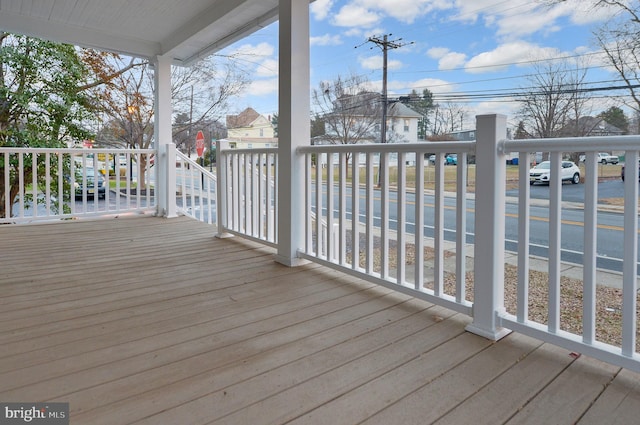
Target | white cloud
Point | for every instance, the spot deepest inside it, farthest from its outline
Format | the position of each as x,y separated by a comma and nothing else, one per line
261,49
375,62
326,40
434,85
582,12
446,58
518,18
484,108
321,8
267,68
406,11
356,16
509,53
263,87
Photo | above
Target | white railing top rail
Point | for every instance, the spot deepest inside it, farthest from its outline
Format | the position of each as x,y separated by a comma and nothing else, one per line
426,147
74,150
195,165
571,144
249,150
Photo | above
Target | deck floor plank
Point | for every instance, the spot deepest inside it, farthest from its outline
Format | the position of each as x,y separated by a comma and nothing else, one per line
148,320
511,390
580,385
435,398
282,365
619,404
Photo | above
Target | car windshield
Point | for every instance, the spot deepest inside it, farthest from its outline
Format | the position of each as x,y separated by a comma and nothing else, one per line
543,165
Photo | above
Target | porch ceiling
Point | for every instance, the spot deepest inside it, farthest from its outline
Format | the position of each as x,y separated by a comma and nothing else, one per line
185,30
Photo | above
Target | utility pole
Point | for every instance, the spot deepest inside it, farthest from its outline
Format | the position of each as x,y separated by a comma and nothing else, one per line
385,44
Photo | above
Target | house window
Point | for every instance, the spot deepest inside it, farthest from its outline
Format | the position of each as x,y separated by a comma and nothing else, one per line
262,132
406,126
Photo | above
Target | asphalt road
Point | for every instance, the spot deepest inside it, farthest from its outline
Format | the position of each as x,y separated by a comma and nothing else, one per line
609,234
575,192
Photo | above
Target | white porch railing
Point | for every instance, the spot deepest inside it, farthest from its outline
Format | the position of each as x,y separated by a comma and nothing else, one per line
57,183
627,354
378,241
196,189
379,216
247,192
364,211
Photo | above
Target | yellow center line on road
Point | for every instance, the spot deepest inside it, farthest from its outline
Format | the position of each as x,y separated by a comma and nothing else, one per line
536,218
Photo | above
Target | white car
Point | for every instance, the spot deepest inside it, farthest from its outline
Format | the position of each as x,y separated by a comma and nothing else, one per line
605,158
541,173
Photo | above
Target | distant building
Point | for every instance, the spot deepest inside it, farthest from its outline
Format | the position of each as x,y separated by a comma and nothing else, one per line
249,129
463,136
402,124
590,127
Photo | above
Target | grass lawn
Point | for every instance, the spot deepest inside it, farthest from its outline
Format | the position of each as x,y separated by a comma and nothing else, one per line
451,173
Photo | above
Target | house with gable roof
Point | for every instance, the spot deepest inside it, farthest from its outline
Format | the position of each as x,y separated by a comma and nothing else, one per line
250,129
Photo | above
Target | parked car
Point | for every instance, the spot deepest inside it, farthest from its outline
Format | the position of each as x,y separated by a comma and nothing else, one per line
605,158
451,159
91,188
541,173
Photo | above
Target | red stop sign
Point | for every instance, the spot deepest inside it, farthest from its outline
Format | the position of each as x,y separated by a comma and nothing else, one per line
200,143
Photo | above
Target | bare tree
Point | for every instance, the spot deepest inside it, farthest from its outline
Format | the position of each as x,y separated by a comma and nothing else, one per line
350,113
201,94
553,98
619,39
447,118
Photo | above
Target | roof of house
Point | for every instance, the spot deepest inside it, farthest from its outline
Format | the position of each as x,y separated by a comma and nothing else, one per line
243,119
590,126
401,110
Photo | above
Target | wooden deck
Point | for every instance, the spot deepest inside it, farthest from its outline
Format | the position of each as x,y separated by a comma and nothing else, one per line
154,321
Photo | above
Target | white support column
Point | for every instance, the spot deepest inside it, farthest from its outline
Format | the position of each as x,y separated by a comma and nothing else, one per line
489,227
165,185
293,127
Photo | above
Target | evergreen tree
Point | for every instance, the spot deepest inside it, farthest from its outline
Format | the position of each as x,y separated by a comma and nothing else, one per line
616,116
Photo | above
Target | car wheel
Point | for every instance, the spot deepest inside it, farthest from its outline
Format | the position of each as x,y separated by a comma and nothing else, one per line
530,183
576,178
604,162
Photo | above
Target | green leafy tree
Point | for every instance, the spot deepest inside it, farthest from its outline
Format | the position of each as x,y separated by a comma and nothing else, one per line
42,104
521,131
317,127
422,104
616,116
274,123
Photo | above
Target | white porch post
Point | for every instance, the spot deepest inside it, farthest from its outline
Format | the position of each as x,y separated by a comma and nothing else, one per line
293,127
488,297
166,167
